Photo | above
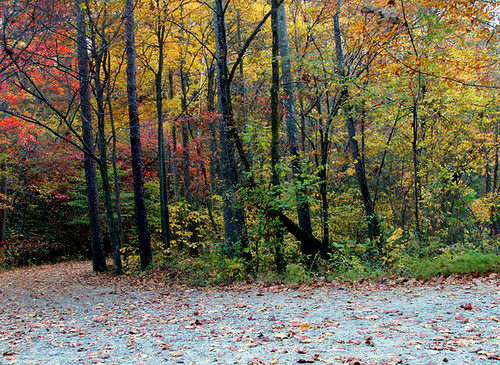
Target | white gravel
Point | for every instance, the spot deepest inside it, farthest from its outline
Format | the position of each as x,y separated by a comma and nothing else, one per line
63,314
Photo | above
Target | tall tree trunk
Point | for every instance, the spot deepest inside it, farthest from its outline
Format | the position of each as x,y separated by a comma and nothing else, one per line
116,182
303,210
98,255
275,132
214,171
109,89
173,155
496,165
99,54
325,218
494,216
416,179
162,169
235,231
359,166
241,87
108,202
3,209
186,159
135,142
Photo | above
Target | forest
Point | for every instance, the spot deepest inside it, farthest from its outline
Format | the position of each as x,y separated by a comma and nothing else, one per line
226,139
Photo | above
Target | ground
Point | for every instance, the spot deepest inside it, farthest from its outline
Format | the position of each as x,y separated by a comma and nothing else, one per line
65,314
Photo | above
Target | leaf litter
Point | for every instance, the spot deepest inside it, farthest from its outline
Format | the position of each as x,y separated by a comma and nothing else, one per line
68,315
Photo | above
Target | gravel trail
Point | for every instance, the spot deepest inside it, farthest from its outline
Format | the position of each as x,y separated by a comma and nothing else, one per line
64,314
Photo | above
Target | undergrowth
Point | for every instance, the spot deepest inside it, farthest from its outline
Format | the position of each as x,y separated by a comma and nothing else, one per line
349,261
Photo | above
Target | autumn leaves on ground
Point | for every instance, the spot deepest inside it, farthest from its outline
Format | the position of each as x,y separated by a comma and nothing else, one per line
68,315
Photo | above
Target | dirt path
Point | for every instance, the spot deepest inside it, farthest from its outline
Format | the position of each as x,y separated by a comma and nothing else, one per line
64,314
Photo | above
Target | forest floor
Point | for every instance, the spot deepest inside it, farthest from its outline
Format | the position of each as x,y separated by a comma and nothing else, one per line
65,314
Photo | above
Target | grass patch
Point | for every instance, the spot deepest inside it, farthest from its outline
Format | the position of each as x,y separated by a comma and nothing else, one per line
470,262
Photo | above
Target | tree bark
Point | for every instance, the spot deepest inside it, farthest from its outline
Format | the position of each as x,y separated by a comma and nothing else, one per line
135,142
235,232
98,255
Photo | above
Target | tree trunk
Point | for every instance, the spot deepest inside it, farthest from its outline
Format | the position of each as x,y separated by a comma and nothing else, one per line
359,166
416,179
303,210
116,183
214,171
108,202
241,87
98,55
3,205
325,218
175,166
186,160
109,88
275,133
235,232
162,169
98,255
496,164
135,142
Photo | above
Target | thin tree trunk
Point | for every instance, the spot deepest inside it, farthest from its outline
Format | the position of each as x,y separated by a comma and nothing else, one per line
214,171
241,79
3,209
172,158
186,159
98,255
303,210
175,166
275,132
325,218
135,142
416,179
162,170
359,166
116,182
98,54
495,167
106,188
494,216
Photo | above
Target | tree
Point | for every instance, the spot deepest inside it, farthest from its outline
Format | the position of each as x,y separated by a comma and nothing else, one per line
98,256
303,210
99,47
235,231
135,141
161,32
